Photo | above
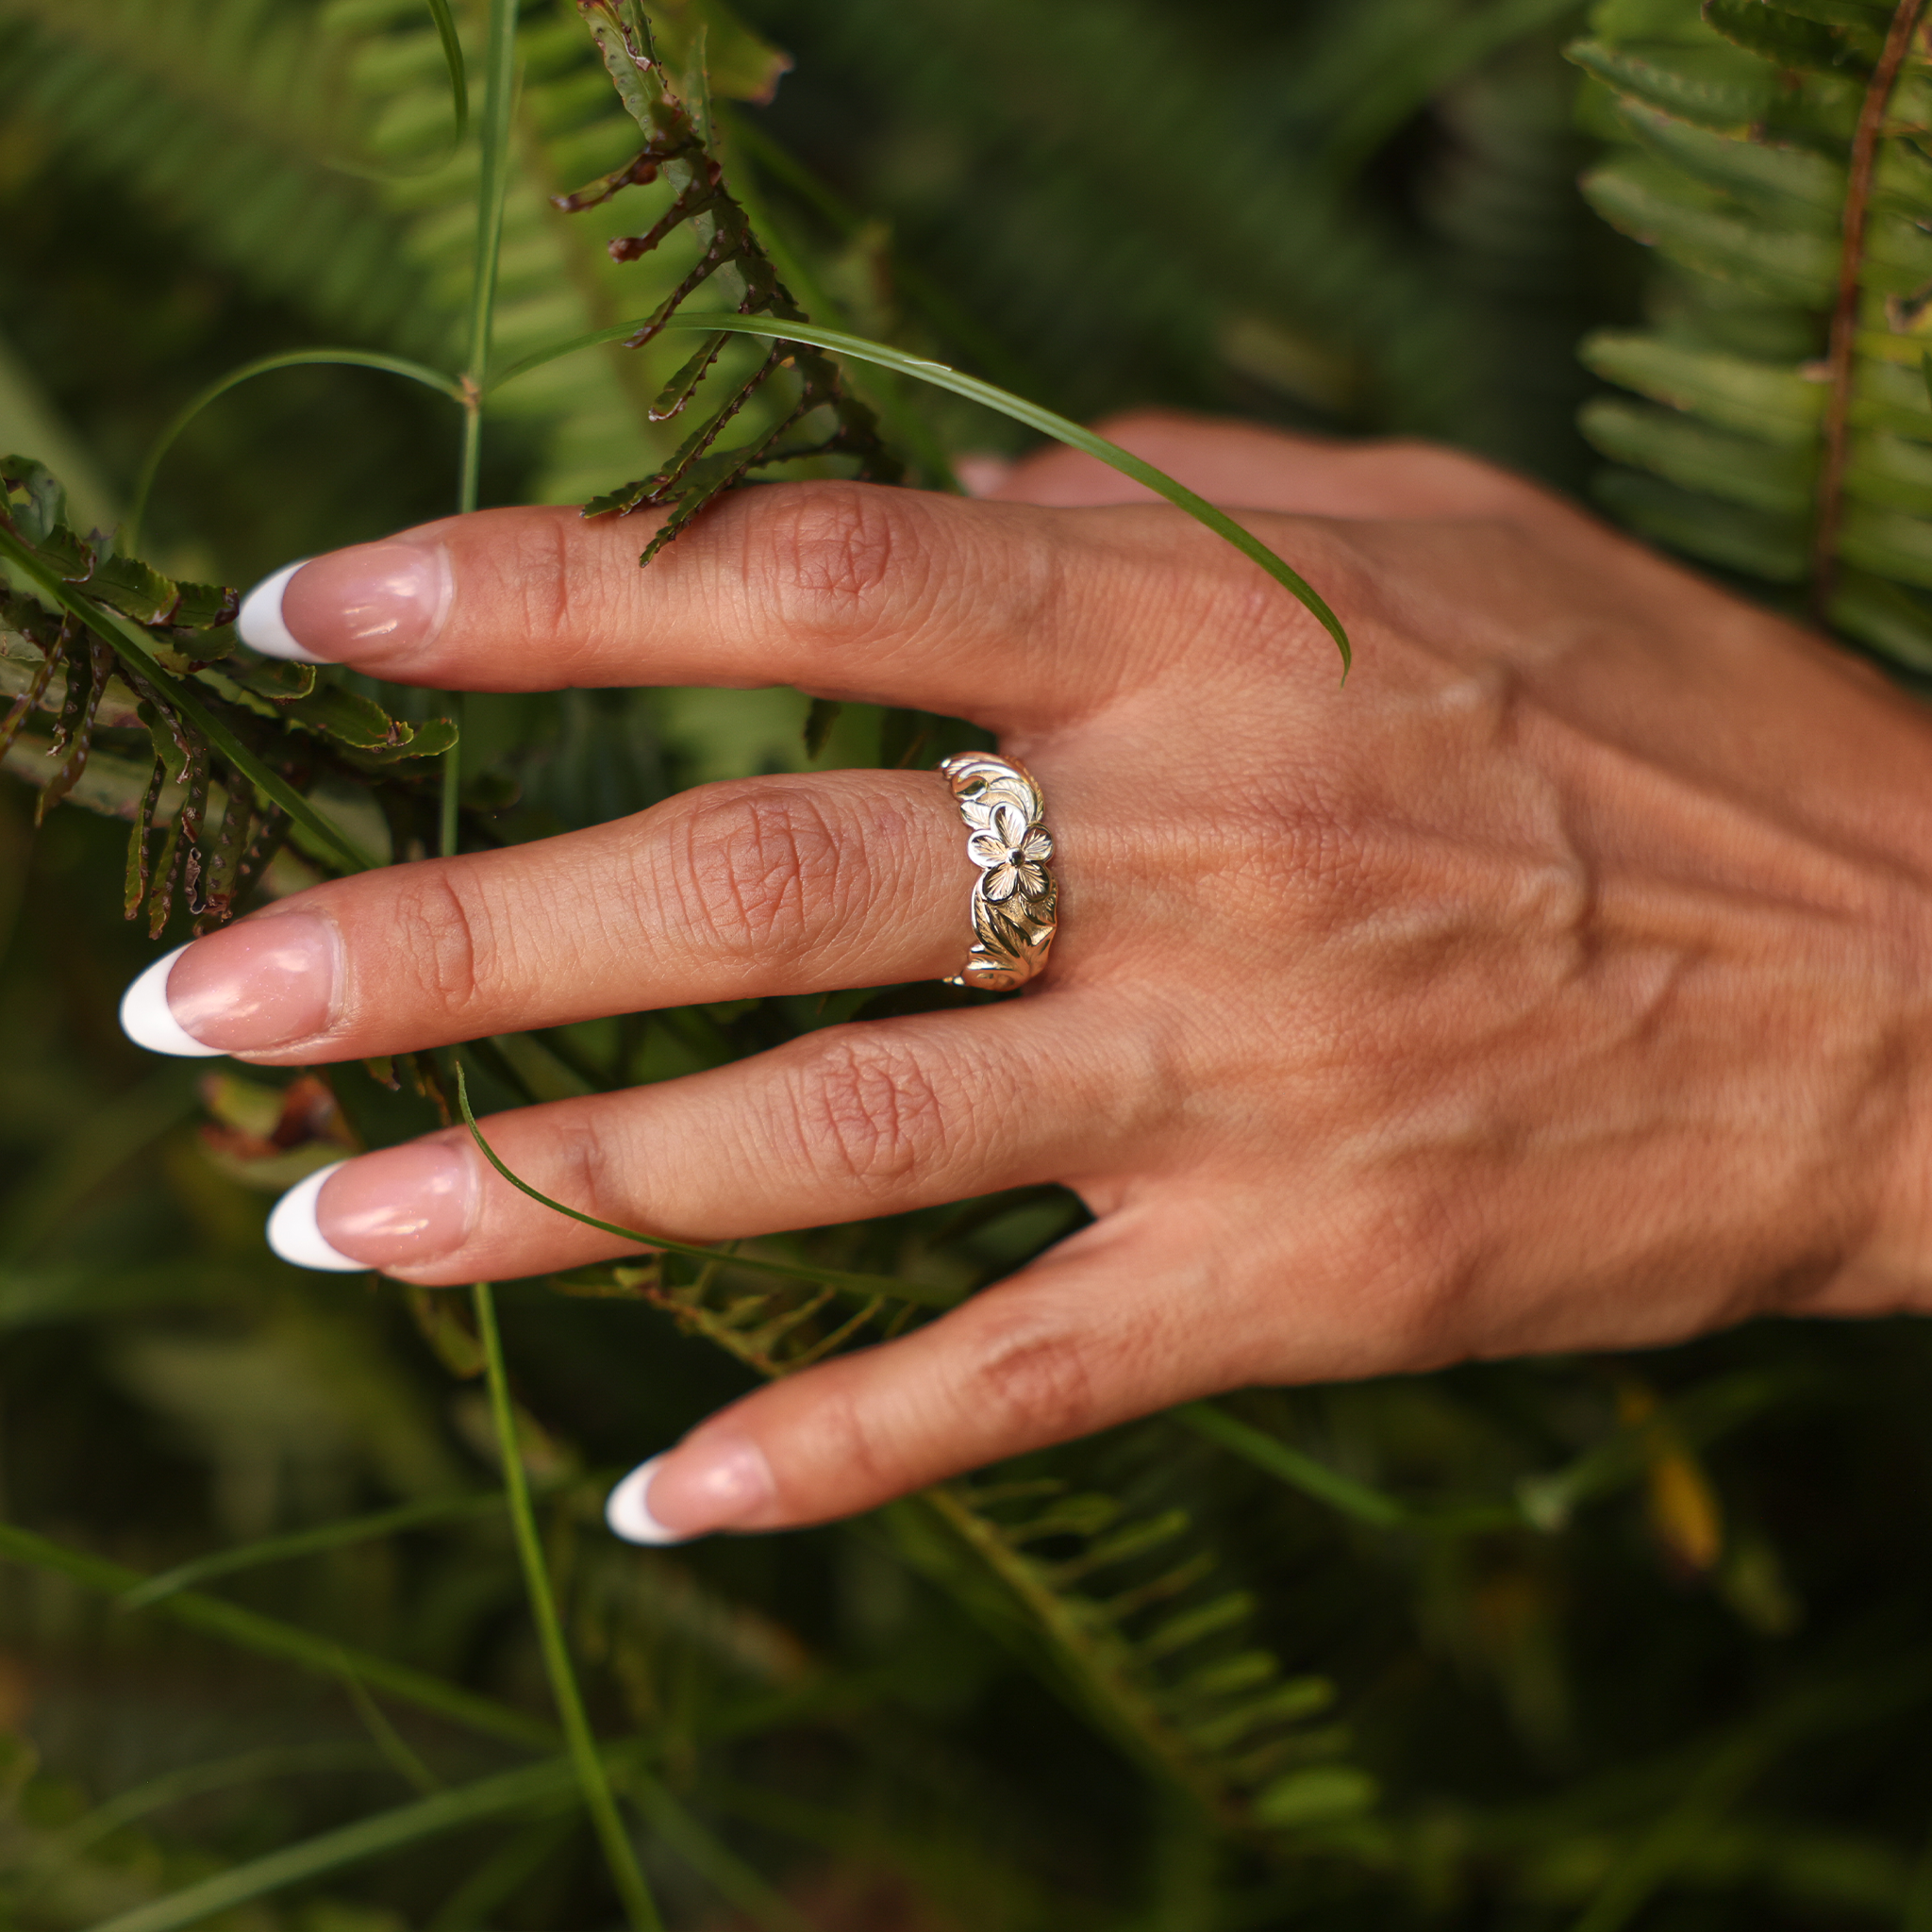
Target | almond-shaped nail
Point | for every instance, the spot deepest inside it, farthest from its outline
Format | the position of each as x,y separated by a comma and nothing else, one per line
627,1508
405,1205
372,603
260,983
259,619
691,1490
400,1207
293,1235
148,1020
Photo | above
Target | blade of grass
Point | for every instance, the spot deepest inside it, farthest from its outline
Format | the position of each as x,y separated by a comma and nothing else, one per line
797,272
128,643
263,365
864,1285
593,1779
390,1741
1059,427
56,1186
727,1874
453,59
946,315
368,1837
178,1786
504,1874
286,1643
307,1542
1374,1506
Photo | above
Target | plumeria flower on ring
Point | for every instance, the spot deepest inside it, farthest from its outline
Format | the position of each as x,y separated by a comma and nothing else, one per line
1012,853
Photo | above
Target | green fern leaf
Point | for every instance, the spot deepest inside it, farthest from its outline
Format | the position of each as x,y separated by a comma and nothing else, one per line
1815,470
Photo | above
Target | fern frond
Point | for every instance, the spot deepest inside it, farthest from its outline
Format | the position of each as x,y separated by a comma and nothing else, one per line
224,122
812,416
1776,155
1139,1630
253,735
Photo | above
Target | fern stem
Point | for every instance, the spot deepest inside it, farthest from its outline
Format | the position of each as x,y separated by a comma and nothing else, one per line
1843,355
638,1907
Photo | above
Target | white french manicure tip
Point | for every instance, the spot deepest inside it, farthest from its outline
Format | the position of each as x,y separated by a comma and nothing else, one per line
148,1020
293,1235
259,619
628,1512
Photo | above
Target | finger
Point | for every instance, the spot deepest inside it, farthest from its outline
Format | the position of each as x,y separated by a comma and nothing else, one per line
781,885
1243,464
846,1124
1104,1327
980,610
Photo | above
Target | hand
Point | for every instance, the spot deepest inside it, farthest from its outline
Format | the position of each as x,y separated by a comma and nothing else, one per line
1556,983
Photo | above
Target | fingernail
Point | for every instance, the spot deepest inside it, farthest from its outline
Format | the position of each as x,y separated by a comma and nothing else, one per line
404,1206
262,983
691,1490
627,1508
259,619
293,1235
148,1020
366,602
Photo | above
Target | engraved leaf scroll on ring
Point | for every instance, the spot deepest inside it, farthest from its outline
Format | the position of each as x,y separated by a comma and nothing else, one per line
1015,901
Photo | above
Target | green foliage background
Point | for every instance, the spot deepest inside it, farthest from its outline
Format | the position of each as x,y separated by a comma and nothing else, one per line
1559,1643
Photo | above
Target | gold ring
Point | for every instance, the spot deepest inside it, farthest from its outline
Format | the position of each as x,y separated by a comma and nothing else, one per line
1015,901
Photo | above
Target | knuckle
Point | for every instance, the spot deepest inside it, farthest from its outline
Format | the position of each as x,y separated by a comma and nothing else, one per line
833,554
758,871
867,1109
586,1171
444,933
1035,1385
548,592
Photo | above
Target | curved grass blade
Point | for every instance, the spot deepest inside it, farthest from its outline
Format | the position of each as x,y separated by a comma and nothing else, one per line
453,59
941,376
263,365
528,1786
129,641
593,1780
307,1542
865,1286
459,111
269,1637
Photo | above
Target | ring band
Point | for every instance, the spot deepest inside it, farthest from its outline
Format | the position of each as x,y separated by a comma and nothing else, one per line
1015,901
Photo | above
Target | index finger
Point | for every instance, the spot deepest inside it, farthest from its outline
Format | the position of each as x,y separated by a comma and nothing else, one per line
1002,613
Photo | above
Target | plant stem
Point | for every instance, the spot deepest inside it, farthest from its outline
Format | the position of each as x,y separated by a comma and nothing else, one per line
598,1799
1841,358
499,96
639,1908
499,91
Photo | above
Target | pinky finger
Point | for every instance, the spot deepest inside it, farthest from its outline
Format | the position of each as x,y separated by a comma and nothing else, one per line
1101,1330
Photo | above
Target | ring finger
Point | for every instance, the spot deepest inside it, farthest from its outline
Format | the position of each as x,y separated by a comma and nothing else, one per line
781,885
